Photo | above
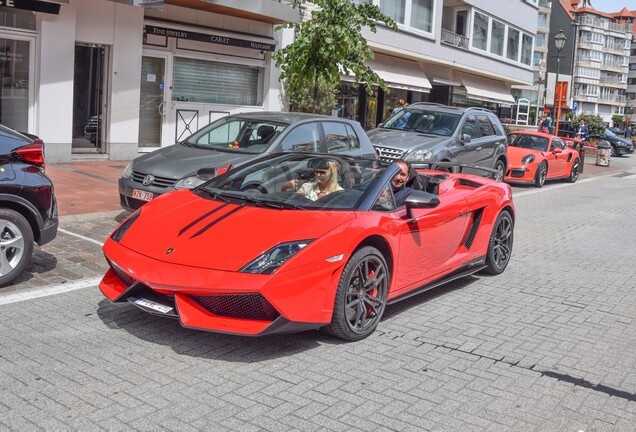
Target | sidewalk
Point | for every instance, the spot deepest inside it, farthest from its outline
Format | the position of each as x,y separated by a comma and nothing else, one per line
86,187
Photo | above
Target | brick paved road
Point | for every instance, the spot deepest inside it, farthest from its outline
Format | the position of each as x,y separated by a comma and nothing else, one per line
549,345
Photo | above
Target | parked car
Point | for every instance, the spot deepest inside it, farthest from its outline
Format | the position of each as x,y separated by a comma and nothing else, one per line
92,128
620,145
28,210
235,140
535,157
426,132
225,259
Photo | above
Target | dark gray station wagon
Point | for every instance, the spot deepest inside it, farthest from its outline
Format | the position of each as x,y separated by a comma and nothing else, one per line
235,140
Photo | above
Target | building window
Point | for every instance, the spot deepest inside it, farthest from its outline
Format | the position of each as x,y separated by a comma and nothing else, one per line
480,31
422,15
526,49
214,82
497,38
512,51
412,14
14,95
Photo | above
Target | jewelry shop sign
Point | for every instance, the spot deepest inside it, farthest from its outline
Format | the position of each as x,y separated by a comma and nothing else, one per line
205,37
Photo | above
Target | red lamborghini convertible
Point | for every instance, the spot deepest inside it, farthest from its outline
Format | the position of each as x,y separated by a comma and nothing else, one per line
237,255
534,157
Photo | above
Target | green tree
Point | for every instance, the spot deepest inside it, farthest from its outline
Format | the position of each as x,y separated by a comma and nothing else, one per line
594,122
617,119
303,99
328,45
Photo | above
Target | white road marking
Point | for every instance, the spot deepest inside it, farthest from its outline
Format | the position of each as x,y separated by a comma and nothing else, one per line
80,236
48,291
549,188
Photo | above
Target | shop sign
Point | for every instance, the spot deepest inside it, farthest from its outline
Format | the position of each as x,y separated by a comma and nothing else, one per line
31,5
204,37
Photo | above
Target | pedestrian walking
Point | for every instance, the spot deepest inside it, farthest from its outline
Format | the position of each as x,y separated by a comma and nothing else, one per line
629,133
399,106
540,123
546,124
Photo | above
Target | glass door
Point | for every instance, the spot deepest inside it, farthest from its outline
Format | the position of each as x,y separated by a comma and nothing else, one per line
152,104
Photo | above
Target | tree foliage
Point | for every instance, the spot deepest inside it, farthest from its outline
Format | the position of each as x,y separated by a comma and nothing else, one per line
303,99
328,45
617,119
594,122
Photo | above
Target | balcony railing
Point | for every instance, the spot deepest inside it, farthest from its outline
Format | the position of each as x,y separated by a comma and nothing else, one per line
454,39
613,99
545,3
605,25
615,66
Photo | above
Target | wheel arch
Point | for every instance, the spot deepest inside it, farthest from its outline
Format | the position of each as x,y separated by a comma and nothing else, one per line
25,208
380,243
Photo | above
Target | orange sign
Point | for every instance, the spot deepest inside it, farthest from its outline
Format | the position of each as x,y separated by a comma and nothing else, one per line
561,96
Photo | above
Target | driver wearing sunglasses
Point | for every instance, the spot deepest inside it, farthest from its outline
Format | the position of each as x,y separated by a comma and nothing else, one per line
326,181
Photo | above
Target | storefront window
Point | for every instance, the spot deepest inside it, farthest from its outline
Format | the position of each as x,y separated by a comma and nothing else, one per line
372,110
16,18
204,81
14,93
348,101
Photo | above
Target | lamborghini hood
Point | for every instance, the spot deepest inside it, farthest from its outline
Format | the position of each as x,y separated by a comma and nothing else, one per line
182,228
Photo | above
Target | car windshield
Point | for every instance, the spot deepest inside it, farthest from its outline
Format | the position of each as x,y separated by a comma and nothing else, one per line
237,135
526,141
282,181
610,134
423,121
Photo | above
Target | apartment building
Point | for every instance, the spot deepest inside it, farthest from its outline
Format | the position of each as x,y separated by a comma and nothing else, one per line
457,52
601,59
630,103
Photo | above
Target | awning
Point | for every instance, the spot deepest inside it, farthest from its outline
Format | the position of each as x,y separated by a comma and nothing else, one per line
485,89
399,73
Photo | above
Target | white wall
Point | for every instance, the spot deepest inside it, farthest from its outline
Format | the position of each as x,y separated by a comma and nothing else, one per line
118,26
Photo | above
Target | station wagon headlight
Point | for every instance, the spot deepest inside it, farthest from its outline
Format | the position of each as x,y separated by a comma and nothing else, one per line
127,171
269,261
189,182
419,155
527,159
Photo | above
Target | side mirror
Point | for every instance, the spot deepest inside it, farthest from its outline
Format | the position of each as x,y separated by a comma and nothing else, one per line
464,138
207,173
557,150
381,124
420,199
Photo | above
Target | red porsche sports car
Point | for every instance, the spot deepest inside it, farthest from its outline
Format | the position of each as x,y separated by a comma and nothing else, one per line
238,255
534,157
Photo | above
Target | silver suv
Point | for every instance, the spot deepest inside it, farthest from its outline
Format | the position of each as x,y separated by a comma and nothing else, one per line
428,132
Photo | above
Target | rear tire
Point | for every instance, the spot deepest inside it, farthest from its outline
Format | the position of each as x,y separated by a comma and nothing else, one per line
500,167
16,245
361,296
500,244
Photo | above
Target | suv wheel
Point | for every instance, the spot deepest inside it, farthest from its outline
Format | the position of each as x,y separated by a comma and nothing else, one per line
500,167
16,245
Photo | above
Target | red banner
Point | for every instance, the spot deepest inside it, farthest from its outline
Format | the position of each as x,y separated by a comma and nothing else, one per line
561,96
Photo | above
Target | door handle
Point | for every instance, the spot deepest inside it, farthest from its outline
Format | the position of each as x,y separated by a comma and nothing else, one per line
478,148
161,109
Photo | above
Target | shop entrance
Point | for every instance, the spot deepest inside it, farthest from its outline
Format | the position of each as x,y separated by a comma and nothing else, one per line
88,99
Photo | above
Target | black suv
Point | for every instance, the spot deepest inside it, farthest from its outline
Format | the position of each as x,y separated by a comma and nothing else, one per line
428,132
28,210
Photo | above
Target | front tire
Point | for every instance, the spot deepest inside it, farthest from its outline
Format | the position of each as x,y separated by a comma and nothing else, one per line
361,296
500,244
16,245
574,172
542,173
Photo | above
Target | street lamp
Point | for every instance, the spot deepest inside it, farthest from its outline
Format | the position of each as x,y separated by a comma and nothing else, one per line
559,42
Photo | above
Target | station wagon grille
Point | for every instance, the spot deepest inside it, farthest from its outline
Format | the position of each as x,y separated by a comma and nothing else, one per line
164,182
246,306
389,154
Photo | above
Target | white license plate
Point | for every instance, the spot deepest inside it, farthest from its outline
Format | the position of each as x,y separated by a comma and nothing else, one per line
152,305
142,195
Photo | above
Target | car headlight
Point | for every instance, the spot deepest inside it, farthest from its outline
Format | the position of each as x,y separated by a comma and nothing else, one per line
269,261
189,182
125,226
127,171
527,159
419,155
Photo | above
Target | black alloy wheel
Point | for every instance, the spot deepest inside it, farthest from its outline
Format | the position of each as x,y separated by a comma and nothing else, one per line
542,173
574,172
361,296
500,167
500,244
